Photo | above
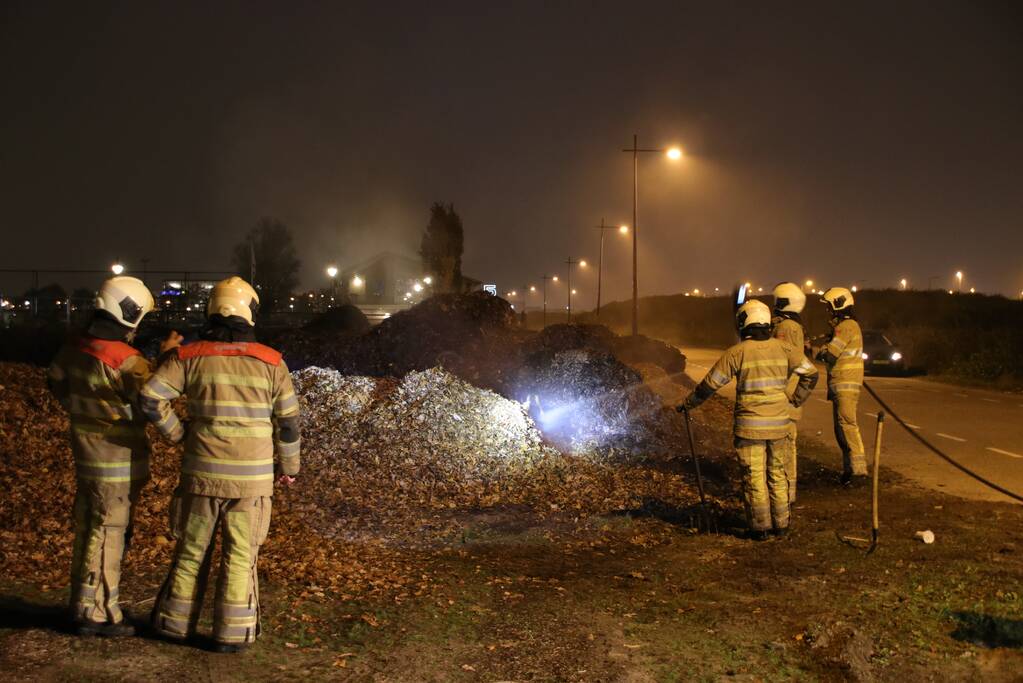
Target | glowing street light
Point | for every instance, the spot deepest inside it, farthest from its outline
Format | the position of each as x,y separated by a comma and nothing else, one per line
117,268
417,287
545,278
331,271
808,284
903,283
571,262
603,227
672,153
959,280
428,280
357,281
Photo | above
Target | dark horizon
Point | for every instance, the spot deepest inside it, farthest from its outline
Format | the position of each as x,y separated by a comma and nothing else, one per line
845,144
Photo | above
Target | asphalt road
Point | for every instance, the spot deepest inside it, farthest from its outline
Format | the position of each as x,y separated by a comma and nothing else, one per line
980,428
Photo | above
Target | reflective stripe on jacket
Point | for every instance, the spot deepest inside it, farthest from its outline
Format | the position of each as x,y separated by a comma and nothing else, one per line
792,333
98,382
761,370
845,374
242,408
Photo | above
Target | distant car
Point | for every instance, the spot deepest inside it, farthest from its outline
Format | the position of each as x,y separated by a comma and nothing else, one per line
881,356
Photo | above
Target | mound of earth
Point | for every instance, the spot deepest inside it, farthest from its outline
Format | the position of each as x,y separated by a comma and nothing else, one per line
346,319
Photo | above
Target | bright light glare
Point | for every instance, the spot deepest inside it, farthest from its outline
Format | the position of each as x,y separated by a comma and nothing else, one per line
418,287
117,268
896,356
428,280
573,291
357,281
623,229
809,283
864,355
854,288
332,271
582,264
555,278
674,153
532,288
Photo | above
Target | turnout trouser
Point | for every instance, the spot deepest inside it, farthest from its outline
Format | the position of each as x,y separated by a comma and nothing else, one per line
787,449
101,521
765,484
243,523
844,399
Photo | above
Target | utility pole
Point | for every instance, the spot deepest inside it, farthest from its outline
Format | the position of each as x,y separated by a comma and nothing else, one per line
673,153
600,258
570,262
545,278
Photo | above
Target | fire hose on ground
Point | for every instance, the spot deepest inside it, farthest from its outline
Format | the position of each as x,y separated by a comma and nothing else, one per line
934,449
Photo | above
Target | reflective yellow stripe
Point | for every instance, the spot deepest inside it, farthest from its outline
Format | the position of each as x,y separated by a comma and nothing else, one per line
228,477
225,431
215,378
767,363
231,461
111,430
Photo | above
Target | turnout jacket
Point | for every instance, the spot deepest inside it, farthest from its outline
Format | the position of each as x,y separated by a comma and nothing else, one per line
98,383
843,356
242,409
790,331
762,370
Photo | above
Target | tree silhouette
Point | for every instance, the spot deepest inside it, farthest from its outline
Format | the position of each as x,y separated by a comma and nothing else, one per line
269,250
441,248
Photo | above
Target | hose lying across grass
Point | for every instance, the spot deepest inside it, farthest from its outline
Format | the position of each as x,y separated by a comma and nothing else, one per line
934,449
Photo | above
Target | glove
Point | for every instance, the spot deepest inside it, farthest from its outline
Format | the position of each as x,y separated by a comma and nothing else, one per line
685,405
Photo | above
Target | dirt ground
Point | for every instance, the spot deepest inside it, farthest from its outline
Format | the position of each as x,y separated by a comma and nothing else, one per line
637,595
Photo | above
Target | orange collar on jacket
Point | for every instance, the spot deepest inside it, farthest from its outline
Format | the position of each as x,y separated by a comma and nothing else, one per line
215,348
111,353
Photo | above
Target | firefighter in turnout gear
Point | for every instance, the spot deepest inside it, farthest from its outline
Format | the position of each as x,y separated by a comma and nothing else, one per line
761,366
97,378
843,356
243,411
789,301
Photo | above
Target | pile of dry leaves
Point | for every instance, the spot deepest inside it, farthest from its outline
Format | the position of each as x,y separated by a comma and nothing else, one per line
381,459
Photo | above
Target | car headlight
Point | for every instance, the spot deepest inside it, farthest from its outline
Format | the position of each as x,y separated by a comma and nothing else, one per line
896,356
864,355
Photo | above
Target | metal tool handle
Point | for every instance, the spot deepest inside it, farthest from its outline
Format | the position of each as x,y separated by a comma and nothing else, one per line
876,472
696,458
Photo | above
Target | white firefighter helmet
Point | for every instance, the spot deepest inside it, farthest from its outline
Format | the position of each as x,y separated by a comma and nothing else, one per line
838,298
233,296
753,312
789,298
125,298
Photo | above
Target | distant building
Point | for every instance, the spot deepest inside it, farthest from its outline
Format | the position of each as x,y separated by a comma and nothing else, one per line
389,279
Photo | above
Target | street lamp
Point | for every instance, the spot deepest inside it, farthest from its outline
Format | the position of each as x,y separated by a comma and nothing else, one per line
571,262
673,153
332,274
428,280
808,284
117,268
903,283
545,278
959,281
623,229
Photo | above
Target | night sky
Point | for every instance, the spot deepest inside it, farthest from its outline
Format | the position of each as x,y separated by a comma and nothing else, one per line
845,142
